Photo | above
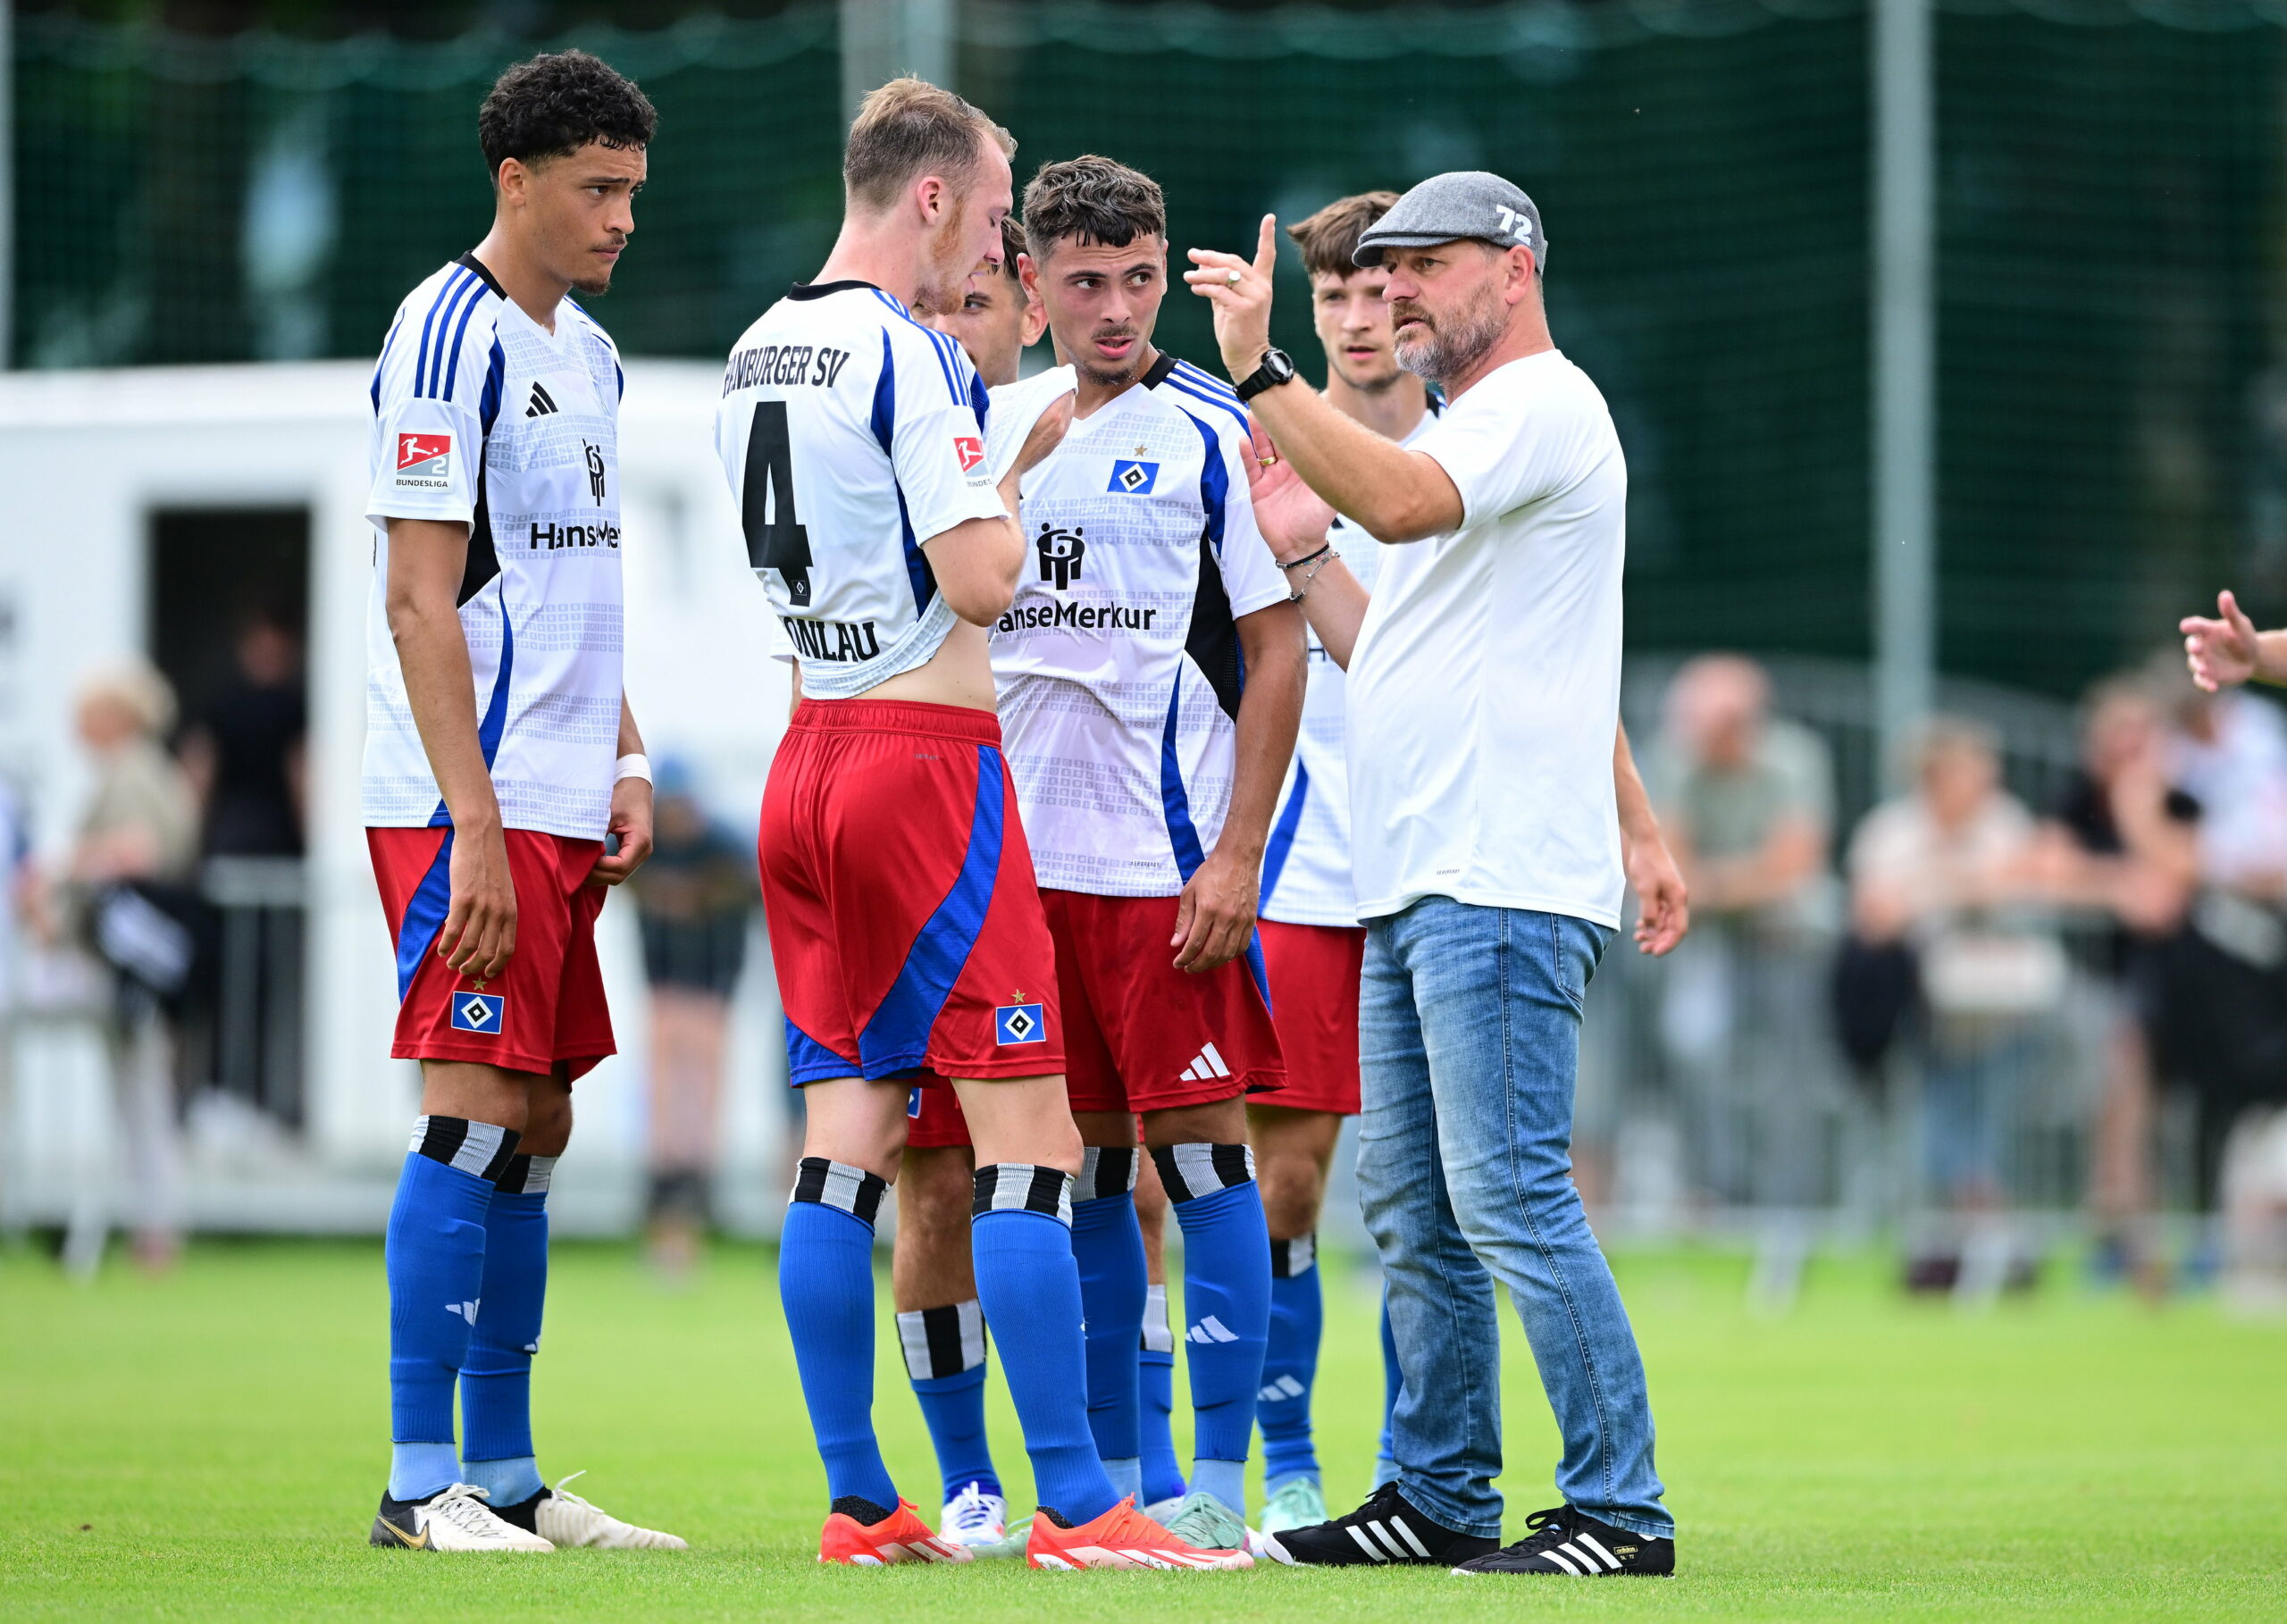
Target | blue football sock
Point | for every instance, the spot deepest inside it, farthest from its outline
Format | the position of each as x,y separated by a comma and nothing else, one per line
1227,1480
1226,1292
1290,1362
944,1357
1393,1379
1156,1374
825,1282
434,1259
1108,1246
1020,1238
497,1376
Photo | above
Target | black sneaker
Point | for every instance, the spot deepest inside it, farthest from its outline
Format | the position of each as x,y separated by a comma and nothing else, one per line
1572,1542
1386,1530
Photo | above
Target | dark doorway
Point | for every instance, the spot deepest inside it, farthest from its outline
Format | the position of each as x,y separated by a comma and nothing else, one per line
227,609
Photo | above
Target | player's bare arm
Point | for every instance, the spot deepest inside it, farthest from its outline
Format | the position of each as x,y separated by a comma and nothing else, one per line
427,558
1294,520
630,812
1394,494
2228,651
978,563
1663,900
1215,915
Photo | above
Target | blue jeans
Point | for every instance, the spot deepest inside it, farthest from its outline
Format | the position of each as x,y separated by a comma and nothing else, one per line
1470,1034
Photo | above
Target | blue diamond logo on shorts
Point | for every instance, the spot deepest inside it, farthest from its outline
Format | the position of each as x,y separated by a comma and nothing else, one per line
1131,478
477,1012
1019,1024
913,1103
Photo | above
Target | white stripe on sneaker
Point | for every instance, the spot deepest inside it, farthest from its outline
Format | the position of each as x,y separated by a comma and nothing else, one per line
1367,1546
1557,1557
1420,1549
1589,1540
1383,1533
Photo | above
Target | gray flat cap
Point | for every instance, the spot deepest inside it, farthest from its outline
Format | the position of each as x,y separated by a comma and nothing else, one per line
1462,203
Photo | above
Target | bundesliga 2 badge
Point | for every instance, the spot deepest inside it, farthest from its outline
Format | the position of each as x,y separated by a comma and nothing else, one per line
477,1012
1018,1024
425,462
970,450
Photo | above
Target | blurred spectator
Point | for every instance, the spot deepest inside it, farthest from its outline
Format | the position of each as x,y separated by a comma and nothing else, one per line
1948,870
693,900
2120,842
122,897
244,752
2224,1015
1747,800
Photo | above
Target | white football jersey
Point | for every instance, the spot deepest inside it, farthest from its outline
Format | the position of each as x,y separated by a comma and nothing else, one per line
483,417
851,434
1118,664
1306,861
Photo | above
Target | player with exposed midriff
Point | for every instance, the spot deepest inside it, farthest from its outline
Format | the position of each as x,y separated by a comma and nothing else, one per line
906,933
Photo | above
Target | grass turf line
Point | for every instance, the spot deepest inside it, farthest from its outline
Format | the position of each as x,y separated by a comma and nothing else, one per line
222,1433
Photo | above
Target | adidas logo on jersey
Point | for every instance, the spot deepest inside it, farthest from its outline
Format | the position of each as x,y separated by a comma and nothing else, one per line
1205,1066
543,403
1211,1329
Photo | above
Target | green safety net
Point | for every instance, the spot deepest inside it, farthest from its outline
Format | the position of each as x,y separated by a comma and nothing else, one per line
2112,437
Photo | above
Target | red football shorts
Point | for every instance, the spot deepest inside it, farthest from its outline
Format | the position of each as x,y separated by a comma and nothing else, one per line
1141,1036
1314,975
547,1007
897,888
934,1118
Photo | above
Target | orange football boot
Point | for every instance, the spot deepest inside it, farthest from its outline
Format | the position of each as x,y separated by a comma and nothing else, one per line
901,1536
1122,1537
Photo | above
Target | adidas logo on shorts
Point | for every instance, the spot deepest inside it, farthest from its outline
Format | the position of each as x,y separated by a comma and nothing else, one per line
1205,1066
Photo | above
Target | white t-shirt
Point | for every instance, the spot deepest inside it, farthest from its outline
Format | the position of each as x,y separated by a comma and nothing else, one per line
1306,861
1485,686
851,435
1118,663
483,417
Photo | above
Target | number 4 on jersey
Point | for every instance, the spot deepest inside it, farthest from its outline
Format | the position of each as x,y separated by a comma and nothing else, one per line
776,541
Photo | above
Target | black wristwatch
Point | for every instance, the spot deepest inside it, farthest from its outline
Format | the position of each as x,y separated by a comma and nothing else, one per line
1278,367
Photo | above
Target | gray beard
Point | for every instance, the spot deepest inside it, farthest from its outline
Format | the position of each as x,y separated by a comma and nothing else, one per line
1447,354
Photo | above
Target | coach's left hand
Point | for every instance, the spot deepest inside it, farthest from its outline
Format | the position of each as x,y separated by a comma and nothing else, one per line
1241,308
1663,900
1215,915
630,821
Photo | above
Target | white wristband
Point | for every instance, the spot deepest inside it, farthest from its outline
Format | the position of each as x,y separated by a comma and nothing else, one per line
637,766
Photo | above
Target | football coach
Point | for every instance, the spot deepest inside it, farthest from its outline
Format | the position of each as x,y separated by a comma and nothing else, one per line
1484,691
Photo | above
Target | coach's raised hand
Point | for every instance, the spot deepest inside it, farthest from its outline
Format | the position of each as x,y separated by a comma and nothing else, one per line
1240,292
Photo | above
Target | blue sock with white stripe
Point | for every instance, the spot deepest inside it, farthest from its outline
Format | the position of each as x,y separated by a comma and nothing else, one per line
944,1358
1108,1245
1020,1236
1156,1375
825,1282
1290,1363
497,1378
1227,1301
434,1259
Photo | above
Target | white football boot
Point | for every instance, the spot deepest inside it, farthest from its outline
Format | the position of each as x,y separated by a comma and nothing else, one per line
566,1519
456,1519
975,1518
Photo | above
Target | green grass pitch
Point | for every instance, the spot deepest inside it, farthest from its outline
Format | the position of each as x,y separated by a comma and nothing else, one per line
212,1443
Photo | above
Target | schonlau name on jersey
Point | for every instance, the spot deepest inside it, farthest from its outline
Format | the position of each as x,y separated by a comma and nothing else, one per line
833,640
